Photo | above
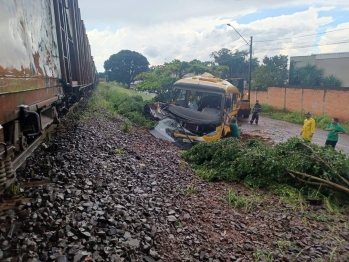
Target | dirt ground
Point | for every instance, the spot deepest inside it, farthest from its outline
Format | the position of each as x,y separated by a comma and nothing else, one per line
279,131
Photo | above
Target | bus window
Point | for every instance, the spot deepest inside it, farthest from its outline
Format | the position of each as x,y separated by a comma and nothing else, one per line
228,104
234,102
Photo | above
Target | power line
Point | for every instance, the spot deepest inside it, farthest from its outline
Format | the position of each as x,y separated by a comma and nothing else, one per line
306,46
266,45
301,36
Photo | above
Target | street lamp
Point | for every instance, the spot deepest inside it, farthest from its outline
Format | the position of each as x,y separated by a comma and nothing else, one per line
250,64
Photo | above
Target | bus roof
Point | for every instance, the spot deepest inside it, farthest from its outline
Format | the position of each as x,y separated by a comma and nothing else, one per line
206,82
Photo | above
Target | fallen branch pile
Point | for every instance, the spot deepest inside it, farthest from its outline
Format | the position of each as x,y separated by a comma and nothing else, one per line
295,162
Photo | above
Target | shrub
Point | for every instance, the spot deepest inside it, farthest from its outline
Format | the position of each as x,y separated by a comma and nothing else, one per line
126,125
257,164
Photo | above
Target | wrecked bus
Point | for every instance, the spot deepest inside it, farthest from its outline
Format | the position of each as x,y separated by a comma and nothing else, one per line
196,111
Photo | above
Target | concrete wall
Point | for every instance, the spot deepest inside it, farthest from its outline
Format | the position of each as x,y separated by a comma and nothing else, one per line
334,103
338,66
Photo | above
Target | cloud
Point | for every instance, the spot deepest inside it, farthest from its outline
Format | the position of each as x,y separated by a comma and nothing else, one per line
196,38
339,35
136,13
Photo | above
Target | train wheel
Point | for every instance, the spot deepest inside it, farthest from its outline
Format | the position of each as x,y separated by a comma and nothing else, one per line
23,143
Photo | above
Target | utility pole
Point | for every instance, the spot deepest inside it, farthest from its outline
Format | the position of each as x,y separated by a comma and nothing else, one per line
250,64
250,71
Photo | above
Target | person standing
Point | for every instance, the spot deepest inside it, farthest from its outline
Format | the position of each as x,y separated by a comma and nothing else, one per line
255,112
333,130
308,129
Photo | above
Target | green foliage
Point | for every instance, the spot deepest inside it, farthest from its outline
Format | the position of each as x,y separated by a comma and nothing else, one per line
160,79
257,164
13,190
233,199
273,71
101,74
332,81
311,75
119,100
124,66
237,62
126,125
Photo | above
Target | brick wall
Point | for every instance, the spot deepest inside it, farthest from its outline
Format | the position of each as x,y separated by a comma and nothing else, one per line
313,101
276,97
262,96
334,103
294,101
337,104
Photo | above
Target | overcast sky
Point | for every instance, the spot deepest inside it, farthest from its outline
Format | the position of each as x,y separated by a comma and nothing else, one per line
163,30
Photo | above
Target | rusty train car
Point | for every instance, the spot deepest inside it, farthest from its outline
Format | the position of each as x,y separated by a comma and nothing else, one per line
45,67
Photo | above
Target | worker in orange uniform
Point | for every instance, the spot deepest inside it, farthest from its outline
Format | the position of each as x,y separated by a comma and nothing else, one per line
308,129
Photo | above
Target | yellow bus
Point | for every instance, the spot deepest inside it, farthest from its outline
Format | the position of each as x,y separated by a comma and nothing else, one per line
197,110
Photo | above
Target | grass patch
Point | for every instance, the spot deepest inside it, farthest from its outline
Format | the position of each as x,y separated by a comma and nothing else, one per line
263,255
233,199
118,100
189,190
297,117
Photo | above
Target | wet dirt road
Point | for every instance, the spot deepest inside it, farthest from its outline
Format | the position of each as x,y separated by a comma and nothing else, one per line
280,131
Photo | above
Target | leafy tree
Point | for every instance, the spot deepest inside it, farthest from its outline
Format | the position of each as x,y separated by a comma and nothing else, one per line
101,74
273,71
333,81
124,66
159,80
237,62
309,75
178,68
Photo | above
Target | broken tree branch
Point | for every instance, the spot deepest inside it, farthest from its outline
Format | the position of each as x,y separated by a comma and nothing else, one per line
320,181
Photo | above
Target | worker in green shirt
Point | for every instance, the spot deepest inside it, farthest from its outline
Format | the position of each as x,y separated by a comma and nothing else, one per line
333,130
234,128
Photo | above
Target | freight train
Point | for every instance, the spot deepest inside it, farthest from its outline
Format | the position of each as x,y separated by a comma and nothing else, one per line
45,67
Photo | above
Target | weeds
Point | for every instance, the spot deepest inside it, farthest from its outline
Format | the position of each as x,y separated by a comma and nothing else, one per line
333,254
117,100
263,255
13,190
118,151
283,245
236,201
190,189
317,217
290,195
48,137
126,125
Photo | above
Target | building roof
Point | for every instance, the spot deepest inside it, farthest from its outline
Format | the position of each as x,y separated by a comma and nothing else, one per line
326,55
332,55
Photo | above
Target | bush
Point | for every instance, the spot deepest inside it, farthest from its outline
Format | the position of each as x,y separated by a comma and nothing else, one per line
126,125
123,101
257,164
